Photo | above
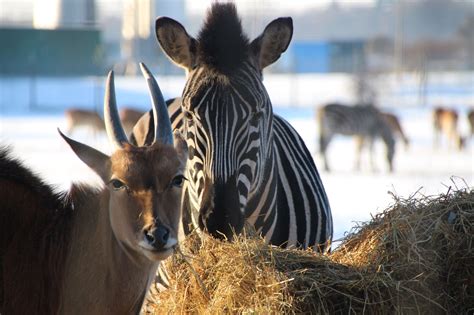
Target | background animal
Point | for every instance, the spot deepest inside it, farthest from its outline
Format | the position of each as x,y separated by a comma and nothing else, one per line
445,123
91,250
82,118
129,117
394,123
246,165
363,121
470,118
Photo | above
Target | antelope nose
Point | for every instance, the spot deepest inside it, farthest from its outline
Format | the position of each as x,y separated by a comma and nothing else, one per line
157,236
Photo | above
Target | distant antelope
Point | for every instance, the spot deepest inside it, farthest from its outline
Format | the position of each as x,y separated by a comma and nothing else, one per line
129,117
470,118
445,121
362,121
396,127
92,250
77,118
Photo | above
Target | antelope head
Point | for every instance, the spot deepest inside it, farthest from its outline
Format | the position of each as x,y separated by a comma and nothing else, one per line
143,183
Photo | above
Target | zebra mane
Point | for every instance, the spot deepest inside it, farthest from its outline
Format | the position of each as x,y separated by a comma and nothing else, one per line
222,44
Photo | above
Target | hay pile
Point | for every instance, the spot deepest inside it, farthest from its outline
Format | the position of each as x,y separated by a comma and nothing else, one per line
415,257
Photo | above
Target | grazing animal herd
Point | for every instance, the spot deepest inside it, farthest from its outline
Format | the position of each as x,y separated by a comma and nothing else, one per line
230,163
366,123
78,118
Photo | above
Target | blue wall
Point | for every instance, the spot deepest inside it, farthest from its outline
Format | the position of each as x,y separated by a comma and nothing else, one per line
323,57
62,52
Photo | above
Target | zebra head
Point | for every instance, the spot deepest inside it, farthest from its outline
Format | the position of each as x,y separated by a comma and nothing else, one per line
227,113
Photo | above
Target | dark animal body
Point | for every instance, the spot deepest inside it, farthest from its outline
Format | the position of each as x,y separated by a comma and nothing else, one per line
394,123
363,121
246,164
35,229
470,119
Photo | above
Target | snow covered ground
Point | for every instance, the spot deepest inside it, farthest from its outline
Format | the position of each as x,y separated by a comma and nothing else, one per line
354,195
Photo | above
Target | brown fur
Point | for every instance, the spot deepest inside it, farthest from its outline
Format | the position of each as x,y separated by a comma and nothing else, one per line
445,121
60,253
76,118
129,117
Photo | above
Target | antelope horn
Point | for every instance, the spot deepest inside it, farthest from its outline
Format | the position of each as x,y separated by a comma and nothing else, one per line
163,131
113,126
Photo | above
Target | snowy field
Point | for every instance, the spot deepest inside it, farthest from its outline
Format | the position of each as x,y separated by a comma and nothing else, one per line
354,195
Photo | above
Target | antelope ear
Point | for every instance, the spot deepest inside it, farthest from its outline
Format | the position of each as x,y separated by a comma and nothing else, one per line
96,160
175,42
181,146
274,41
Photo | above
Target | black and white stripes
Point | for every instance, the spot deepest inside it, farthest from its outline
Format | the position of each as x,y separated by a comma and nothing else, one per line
245,164
363,121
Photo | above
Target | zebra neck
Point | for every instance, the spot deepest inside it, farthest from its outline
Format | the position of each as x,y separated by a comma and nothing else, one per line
261,198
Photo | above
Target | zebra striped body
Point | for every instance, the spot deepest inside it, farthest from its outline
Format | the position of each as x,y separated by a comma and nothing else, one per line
245,165
363,121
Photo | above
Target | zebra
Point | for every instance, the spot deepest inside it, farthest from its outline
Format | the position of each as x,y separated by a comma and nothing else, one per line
246,165
363,121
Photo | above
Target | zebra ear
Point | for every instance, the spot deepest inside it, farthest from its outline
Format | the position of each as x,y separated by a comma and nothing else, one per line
274,40
175,42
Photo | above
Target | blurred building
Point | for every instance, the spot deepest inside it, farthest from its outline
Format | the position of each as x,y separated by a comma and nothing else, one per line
53,14
62,40
329,35
322,57
138,34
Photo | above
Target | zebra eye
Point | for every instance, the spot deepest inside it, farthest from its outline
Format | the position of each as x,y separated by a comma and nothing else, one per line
178,181
117,184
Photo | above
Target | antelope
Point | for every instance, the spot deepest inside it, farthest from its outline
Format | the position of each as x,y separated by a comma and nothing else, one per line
445,121
92,250
394,123
77,118
129,117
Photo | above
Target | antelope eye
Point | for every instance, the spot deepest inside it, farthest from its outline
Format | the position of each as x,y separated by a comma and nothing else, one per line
178,181
117,184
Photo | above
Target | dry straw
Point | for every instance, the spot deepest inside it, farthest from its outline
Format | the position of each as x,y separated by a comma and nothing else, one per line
417,257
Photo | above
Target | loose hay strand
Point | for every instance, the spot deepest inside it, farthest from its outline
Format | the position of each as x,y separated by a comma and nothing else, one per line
415,257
